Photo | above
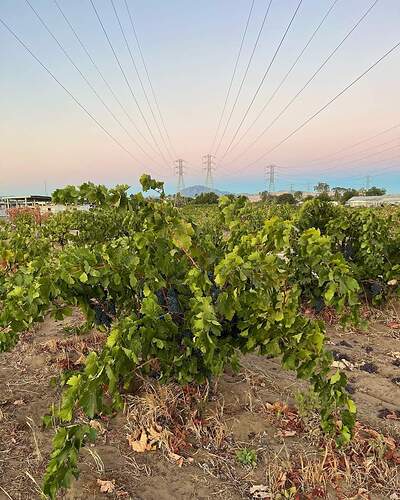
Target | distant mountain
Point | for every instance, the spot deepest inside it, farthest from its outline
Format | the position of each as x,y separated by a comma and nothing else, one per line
193,191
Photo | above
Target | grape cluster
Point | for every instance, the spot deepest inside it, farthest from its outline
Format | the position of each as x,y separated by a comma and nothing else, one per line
349,251
103,313
373,289
172,302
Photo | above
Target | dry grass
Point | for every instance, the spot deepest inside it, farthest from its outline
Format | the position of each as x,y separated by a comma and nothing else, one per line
299,462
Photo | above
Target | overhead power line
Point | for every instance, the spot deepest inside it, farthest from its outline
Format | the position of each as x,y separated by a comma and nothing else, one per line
86,80
313,76
354,145
266,73
336,160
286,76
244,76
320,110
233,76
148,78
100,73
81,106
336,168
127,82
376,173
357,160
140,79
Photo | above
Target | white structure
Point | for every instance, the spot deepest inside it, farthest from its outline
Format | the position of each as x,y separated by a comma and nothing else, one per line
374,201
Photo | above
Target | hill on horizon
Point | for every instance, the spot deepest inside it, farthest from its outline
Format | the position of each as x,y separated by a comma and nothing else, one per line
193,191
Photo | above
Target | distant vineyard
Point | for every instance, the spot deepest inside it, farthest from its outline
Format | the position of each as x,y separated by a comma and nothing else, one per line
181,292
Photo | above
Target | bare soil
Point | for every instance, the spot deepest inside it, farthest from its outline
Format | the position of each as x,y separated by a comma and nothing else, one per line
195,434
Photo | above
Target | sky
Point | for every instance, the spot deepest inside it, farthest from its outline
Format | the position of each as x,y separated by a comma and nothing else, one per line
190,49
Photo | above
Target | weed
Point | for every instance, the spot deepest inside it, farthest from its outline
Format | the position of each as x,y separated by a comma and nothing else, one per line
246,456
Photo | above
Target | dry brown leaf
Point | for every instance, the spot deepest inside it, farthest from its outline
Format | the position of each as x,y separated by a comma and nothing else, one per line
393,324
106,486
81,360
19,402
155,432
284,433
178,459
142,444
390,443
51,345
343,364
95,424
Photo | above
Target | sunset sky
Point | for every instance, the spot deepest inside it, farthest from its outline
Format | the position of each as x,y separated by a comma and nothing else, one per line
190,49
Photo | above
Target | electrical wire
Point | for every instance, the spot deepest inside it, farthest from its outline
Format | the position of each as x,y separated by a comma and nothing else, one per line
272,96
149,79
319,69
79,104
100,73
140,79
320,110
244,76
85,79
327,169
233,76
354,145
266,73
127,81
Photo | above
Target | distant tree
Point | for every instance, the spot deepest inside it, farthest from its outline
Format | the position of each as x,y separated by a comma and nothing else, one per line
375,191
298,195
324,196
349,193
286,199
206,199
180,200
266,196
321,187
339,192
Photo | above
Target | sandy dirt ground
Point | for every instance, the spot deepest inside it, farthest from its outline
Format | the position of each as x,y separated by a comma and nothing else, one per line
199,438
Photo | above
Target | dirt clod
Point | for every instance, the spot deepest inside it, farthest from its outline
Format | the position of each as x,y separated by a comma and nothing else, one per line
369,368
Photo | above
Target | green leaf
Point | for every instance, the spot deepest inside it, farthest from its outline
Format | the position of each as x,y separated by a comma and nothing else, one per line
335,378
351,406
83,277
330,292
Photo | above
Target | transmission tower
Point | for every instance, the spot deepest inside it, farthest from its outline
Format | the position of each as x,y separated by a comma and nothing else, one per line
209,166
367,182
179,170
270,176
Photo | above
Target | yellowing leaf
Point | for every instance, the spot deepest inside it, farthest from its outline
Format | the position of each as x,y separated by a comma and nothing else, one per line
83,277
335,378
352,406
106,486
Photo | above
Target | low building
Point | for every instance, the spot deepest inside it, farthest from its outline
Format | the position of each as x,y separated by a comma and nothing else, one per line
374,201
26,200
253,197
39,202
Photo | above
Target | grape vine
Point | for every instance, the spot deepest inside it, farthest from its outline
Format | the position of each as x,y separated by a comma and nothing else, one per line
183,299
